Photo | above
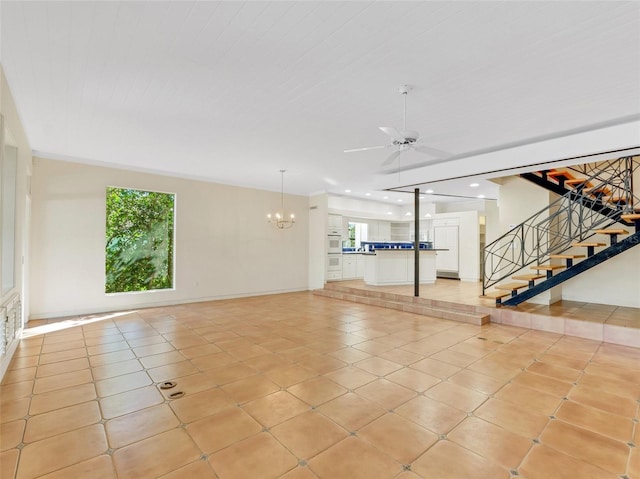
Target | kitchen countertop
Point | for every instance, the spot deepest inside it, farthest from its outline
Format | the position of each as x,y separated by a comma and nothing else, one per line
405,249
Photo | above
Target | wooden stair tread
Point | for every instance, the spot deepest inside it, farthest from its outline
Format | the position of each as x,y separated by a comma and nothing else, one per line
496,294
511,286
598,191
617,199
578,181
612,232
528,277
560,173
548,267
566,256
589,244
631,216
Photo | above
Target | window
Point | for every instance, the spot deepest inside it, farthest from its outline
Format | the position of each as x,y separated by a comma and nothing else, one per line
357,234
139,240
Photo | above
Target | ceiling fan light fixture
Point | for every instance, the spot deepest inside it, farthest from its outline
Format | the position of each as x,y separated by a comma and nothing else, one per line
410,136
404,140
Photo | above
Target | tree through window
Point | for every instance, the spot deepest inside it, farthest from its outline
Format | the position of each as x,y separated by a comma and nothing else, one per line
139,240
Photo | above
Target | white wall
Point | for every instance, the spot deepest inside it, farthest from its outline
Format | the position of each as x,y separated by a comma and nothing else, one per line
224,246
467,205
492,221
17,137
615,282
317,240
519,199
356,208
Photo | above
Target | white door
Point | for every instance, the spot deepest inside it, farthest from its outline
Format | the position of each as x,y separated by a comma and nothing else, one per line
446,237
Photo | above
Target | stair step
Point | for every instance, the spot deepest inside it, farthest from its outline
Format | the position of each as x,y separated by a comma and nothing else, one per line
511,286
557,174
612,232
631,217
548,267
602,191
618,200
586,245
495,294
408,304
566,256
579,181
528,277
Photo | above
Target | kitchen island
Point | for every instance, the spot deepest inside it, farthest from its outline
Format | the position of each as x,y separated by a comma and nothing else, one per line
396,266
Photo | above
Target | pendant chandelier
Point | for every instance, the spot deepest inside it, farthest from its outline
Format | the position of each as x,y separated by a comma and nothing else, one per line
279,219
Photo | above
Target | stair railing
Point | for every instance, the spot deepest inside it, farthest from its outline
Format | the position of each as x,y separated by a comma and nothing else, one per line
617,176
572,217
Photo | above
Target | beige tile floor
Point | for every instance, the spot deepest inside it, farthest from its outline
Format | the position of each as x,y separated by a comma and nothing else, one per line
298,386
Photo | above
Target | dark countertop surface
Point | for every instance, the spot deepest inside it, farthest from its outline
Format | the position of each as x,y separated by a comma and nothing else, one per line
410,249
373,253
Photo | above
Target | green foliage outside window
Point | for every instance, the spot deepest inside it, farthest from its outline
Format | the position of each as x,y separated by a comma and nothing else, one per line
352,235
139,240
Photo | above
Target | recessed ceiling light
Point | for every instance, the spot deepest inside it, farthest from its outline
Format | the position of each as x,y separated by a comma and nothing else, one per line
389,213
474,185
385,197
429,192
421,197
480,196
399,200
428,215
408,213
347,191
367,194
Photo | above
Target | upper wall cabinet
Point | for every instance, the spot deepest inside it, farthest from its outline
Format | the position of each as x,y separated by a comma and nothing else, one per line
334,224
400,231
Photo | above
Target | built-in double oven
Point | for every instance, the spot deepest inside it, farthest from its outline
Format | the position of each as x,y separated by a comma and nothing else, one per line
334,244
334,257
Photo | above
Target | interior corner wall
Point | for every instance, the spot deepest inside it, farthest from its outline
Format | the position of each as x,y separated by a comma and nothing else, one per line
13,124
519,199
317,240
224,247
492,222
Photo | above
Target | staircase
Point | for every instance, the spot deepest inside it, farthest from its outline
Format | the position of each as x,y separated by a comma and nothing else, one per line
540,252
411,304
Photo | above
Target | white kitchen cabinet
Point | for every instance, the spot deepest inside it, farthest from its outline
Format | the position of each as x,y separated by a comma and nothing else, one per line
372,230
384,231
349,266
359,266
334,224
399,231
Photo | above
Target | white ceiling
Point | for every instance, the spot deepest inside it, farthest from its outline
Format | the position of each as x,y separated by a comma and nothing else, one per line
233,92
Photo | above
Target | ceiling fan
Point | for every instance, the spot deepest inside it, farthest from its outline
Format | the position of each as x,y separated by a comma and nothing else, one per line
404,139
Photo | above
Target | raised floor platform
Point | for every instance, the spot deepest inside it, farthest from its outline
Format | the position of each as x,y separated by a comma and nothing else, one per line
461,301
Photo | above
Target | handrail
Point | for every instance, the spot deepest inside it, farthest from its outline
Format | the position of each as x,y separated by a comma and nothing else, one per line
572,217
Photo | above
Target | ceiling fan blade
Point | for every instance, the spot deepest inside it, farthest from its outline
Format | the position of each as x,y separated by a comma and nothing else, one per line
391,157
392,132
427,150
365,149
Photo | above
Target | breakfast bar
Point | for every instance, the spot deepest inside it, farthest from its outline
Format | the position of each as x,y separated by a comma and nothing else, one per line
396,266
